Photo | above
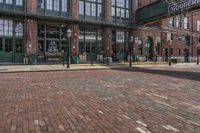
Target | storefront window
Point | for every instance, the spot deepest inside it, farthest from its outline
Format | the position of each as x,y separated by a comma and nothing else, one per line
90,40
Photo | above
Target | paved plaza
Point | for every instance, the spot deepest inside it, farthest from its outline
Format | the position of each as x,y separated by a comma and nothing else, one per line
116,100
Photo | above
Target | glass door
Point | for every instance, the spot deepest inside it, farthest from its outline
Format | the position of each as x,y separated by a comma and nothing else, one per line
18,51
8,53
1,50
91,51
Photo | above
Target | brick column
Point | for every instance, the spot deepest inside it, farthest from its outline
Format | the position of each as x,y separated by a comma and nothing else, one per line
107,40
31,6
74,39
74,8
31,36
108,10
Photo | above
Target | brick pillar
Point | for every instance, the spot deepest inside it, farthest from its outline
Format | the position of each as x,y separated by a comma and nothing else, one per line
108,10
31,6
74,8
107,39
31,35
74,39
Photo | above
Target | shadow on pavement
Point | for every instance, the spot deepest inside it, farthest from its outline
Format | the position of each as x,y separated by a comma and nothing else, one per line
176,74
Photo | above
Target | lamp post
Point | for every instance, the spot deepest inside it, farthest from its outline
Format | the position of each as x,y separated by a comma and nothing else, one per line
130,50
197,45
69,34
169,42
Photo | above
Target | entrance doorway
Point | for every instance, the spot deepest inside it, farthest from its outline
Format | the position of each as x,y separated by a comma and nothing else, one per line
118,52
186,55
11,50
149,48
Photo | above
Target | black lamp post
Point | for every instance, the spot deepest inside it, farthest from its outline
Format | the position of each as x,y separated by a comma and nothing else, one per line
130,50
169,42
69,34
197,45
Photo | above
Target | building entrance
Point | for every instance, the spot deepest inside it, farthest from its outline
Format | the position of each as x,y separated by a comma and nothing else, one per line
11,50
186,55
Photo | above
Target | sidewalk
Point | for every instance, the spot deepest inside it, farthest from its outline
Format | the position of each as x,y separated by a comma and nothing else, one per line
73,67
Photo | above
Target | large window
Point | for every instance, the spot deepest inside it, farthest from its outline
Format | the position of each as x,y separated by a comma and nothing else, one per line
90,8
10,2
51,38
121,9
8,27
54,5
90,39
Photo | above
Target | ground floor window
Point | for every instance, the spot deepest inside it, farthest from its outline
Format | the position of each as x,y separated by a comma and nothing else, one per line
120,45
11,50
90,42
52,42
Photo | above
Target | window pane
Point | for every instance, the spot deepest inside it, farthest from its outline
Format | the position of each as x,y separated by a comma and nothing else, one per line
19,46
50,4
41,3
19,29
81,7
87,8
1,27
99,11
8,45
8,1
1,45
64,5
56,5
93,9
19,2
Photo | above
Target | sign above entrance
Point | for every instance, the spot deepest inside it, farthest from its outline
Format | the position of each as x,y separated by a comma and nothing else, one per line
183,5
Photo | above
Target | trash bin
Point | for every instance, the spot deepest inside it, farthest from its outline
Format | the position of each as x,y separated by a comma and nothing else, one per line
32,60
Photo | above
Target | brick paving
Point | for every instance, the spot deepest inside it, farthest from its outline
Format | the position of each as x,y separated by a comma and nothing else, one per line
137,100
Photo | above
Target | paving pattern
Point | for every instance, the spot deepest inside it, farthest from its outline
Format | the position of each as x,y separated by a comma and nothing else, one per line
137,100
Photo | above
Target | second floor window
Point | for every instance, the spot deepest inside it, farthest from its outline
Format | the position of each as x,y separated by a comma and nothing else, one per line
10,2
171,22
198,25
178,22
90,8
120,9
186,23
55,5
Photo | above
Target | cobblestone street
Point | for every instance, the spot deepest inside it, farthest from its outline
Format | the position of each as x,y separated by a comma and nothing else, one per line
137,100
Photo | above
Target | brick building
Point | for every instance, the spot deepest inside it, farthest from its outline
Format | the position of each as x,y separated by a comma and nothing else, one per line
183,29
100,28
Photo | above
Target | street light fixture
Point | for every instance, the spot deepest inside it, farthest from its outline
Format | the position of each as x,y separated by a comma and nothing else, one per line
69,34
130,50
169,42
198,45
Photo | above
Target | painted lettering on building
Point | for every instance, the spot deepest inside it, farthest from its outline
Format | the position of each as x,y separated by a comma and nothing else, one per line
182,6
